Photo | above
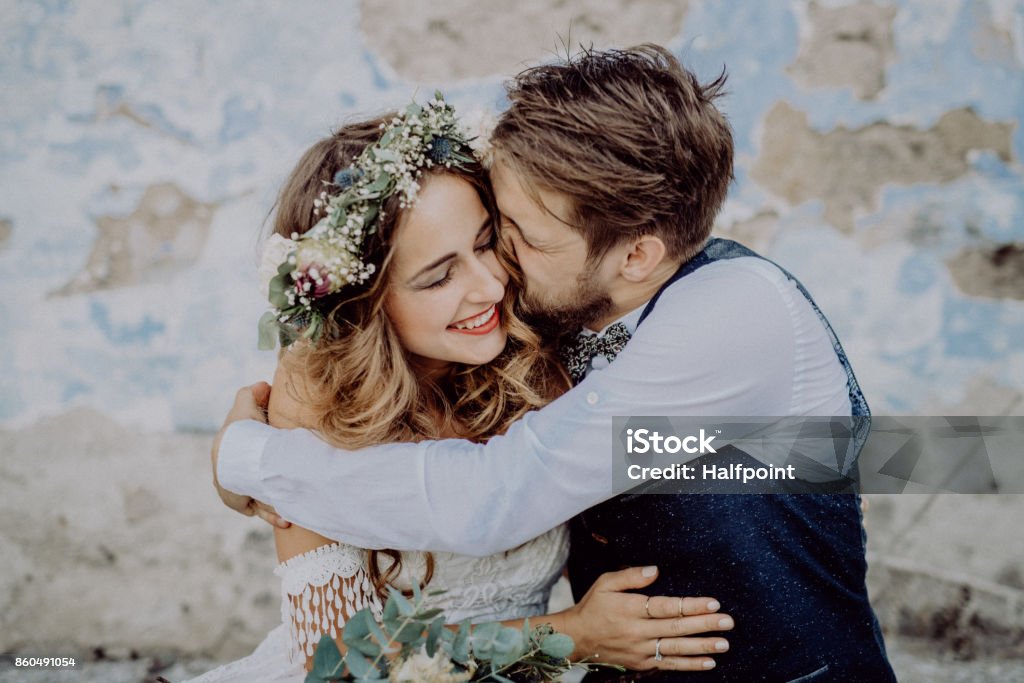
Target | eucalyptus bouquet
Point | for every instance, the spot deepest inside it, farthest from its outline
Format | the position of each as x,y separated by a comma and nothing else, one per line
411,644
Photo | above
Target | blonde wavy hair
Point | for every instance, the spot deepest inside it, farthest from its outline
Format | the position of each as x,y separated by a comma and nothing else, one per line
357,382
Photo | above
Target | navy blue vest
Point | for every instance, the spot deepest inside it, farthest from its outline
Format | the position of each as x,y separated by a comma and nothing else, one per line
790,568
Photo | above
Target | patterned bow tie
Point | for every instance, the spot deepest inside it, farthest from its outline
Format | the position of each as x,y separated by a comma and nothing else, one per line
577,354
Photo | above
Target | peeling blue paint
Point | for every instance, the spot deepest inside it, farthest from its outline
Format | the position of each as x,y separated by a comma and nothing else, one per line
241,118
917,275
139,334
968,327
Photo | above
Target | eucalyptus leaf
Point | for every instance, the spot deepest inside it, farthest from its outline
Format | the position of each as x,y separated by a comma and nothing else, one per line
382,638
446,639
426,615
356,634
508,647
356,628
327,661
387,155
380,184
484,638
511,640
557,645
486,632
409,633
433,634
366,647
390,613
313,330
405,607
460,647
277,287
358,665
268,329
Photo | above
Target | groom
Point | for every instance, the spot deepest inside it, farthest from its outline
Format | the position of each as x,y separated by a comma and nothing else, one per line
609,171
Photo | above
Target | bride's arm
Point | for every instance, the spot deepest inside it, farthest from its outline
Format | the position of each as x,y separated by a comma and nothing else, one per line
322,582
286,411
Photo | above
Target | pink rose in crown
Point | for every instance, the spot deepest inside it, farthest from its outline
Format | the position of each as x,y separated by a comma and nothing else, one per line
312,281
320,268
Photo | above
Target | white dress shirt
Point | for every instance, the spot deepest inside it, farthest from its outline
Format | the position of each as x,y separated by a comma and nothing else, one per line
735,337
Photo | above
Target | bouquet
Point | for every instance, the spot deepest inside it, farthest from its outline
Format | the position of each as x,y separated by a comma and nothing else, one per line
412,645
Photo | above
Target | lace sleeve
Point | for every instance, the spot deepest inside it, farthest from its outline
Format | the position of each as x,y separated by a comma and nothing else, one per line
320,591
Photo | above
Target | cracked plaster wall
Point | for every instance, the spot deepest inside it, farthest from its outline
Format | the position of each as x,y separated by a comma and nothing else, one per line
878,156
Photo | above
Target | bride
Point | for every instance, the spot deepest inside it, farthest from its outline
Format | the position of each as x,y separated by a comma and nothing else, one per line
426,345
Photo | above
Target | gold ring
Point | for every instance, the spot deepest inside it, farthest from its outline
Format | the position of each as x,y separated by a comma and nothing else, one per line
647,608
680,607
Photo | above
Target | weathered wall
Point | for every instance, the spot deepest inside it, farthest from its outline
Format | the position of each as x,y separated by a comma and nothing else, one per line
879,150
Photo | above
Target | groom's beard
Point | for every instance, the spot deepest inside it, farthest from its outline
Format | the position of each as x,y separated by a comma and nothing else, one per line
553,319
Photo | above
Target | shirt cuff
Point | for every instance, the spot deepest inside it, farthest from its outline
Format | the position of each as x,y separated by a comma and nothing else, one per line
240,457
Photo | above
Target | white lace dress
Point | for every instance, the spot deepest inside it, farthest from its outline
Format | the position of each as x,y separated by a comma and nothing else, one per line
322,588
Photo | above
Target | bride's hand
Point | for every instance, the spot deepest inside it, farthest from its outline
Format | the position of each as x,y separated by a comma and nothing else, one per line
616,627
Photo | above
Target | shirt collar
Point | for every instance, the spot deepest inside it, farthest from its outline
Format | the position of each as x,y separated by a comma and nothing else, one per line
631,320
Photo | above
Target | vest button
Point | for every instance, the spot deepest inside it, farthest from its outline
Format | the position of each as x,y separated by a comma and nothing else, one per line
592,398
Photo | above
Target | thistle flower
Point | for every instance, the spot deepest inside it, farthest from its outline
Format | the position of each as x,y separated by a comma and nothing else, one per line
347,177
440,150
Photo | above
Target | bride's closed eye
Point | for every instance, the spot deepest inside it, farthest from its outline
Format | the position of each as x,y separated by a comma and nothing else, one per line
443,281
489,242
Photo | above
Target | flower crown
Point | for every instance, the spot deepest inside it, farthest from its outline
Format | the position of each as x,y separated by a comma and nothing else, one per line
302,274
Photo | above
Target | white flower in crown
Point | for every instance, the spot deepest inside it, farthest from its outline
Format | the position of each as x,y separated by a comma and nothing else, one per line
275,251
478,127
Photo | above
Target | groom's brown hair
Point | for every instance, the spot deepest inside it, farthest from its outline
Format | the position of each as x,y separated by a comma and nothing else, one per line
631,136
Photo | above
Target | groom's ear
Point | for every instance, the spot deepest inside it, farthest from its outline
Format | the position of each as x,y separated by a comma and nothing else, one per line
645,254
